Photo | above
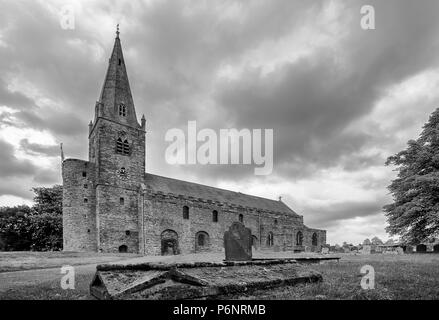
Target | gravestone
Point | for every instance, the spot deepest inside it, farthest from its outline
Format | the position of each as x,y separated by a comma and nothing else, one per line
238,243
399,250
325,250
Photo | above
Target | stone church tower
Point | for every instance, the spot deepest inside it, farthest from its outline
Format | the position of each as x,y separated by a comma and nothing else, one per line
111,204
106,193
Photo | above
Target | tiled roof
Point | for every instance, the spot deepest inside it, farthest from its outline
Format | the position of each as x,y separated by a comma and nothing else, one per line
190,189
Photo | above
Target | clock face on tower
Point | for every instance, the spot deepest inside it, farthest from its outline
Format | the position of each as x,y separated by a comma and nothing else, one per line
122,173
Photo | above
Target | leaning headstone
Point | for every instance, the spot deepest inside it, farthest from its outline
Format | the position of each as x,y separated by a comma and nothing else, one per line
238,243
307,249
325,250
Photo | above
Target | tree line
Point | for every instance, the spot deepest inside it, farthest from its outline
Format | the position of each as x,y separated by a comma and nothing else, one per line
33,228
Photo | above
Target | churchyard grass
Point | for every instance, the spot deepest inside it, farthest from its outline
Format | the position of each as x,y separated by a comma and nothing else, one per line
412,276
16,261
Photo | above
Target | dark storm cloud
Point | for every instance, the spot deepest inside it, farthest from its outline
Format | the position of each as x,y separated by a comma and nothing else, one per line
312,101
48,176
10,166
173,52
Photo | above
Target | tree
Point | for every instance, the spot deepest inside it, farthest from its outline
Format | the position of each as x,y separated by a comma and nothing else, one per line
390,242
37,228
48,200
414,213
366,242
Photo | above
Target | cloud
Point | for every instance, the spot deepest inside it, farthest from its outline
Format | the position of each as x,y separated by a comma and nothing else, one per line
39,149
10,166
339,98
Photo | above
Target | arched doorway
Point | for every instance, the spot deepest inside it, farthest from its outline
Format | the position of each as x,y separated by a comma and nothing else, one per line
202,241
169,241
123,249
421,248
314,239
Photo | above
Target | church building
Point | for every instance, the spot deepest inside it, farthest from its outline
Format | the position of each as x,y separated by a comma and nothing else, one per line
112,204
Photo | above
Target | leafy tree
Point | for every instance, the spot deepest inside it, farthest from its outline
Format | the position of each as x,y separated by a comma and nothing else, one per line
48,200
37,228
390,242
414,214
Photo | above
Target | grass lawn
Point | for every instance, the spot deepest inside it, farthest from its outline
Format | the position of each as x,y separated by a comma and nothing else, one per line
16,261
397,277
413,276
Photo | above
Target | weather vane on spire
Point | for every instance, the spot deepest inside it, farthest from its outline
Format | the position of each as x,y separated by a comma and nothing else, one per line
117,31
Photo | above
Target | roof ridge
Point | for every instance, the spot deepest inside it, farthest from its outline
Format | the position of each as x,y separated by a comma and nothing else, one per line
287,208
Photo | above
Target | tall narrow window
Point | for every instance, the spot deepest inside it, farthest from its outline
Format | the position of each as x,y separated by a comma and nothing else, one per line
299,238
126,147
121,201
119,146
241,218
215,216
186,212
270,239
314,239
122,110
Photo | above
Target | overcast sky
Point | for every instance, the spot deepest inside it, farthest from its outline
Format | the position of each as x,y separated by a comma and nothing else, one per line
340,99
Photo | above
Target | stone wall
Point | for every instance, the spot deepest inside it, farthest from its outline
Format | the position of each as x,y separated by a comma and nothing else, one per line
79,206
163,213
117,221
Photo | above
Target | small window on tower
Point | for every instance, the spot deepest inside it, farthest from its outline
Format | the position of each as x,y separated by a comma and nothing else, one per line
120,61
122,110
84,174
85,186
122,201
85,200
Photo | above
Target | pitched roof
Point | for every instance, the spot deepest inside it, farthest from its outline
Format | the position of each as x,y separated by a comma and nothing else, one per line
180,187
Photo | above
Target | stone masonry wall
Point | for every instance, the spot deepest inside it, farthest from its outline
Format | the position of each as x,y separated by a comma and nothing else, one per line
165,212
117,222
79,218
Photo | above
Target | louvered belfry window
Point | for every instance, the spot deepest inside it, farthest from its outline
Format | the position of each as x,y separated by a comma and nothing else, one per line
122,110
126,147
119,146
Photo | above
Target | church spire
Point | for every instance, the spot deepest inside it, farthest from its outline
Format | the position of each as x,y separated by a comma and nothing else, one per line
116,101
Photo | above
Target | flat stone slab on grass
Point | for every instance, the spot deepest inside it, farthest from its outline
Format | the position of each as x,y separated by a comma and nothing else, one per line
203,280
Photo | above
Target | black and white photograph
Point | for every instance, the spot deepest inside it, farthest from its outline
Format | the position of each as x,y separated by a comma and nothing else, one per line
220,150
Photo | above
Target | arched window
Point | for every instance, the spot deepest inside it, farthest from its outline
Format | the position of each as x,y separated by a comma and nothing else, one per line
186,212
314,239
270,239
122,110
241,218
215,216
122,147
123,249
299,238
275,222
